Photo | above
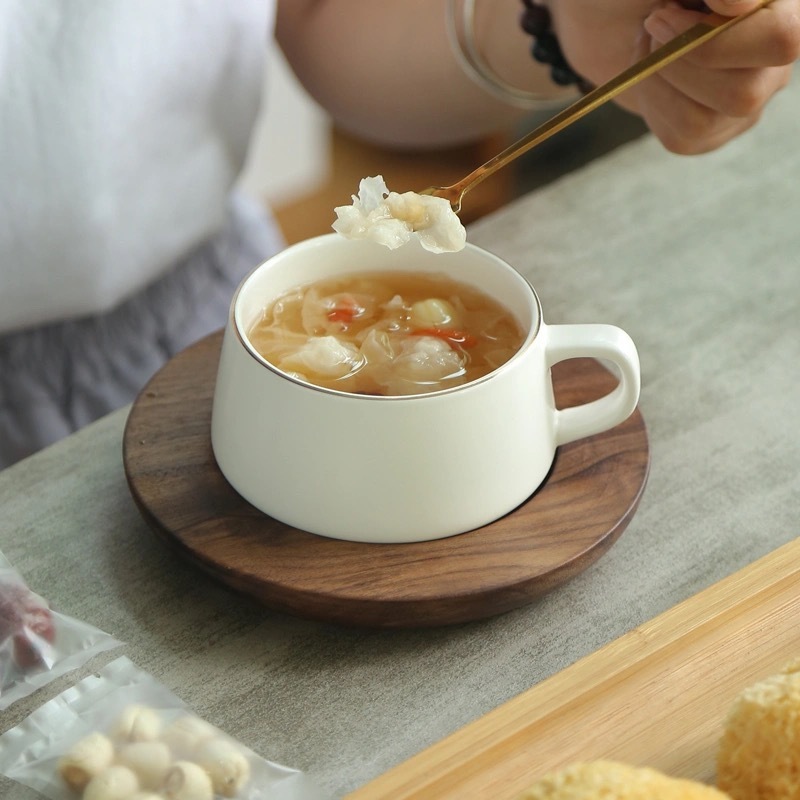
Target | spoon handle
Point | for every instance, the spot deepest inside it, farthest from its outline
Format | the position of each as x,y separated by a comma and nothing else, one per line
693,37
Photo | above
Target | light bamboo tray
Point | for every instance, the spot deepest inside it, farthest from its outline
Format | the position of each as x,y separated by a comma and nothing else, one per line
657,696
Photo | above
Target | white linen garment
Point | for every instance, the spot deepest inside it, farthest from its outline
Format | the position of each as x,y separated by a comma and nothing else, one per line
123,126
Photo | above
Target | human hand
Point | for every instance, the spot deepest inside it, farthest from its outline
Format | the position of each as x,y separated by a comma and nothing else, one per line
719,90
713,93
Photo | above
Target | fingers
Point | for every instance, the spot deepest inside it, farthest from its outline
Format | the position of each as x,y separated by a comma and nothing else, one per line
719,90
733,92
693,109
686,126
770,37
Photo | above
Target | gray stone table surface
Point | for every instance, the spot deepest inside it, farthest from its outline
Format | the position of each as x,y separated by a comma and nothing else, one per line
699,260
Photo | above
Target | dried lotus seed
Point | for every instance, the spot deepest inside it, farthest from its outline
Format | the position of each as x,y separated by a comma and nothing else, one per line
146,796
137,724
114,783
187,781
85,759
226,764
149,760
186,733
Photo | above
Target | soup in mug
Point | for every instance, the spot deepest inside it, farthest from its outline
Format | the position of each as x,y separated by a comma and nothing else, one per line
400,333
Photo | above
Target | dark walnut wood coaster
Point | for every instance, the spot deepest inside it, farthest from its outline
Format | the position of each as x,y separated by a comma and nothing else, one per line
588,499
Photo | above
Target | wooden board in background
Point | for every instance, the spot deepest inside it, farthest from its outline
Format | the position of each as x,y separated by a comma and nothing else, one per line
656,696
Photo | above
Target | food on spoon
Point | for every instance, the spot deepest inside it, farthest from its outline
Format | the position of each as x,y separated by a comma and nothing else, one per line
611,780
391,219
395,333
26,619
759,753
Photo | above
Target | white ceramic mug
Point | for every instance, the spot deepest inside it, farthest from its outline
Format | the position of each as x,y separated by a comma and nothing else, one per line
411,468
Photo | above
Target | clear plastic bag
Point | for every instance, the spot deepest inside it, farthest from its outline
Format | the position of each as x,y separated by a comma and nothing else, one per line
38,644
122,735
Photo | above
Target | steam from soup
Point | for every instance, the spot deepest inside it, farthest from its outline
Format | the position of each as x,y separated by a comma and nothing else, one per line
398,334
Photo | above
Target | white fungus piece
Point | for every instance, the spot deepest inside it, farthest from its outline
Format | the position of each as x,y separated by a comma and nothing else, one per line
86,758
423,360
391,219
186,780
114,783
149,760
325,356
137,723
323,315
226,764
427,359
377,348
185,734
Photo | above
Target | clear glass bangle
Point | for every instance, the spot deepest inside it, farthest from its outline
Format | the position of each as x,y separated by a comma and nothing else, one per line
461,33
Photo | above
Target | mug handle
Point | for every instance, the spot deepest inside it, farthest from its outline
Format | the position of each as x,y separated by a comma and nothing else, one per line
595,341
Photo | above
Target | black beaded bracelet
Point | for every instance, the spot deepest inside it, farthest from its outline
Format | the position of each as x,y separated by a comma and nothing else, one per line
536,22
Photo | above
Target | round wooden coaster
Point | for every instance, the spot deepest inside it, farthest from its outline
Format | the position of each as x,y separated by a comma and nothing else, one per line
586,502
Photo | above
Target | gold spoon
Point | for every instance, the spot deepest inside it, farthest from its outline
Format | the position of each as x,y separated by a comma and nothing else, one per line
666,54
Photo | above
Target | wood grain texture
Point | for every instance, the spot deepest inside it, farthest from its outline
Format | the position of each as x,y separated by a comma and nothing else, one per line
587,501
656,696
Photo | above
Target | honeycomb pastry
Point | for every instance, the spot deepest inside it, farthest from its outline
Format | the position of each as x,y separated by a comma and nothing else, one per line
759,752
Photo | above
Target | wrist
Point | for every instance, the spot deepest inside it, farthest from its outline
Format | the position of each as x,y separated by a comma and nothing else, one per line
537,22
